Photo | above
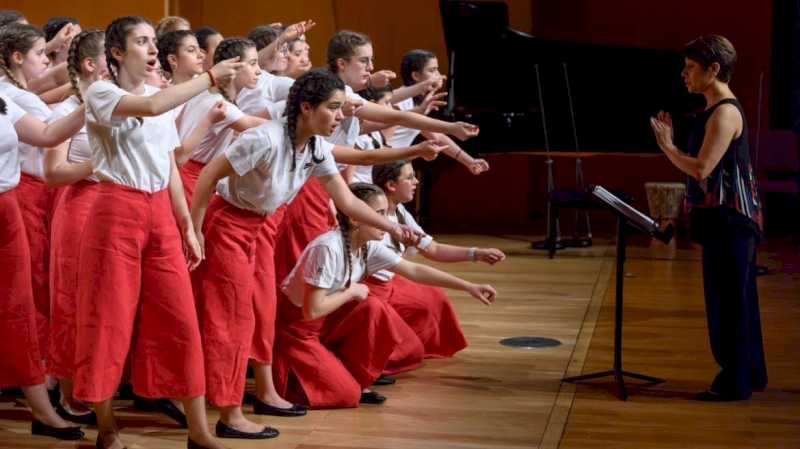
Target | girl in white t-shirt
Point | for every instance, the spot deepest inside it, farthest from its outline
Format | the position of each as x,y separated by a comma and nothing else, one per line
70,165
421,66
218,136
349,56
335,339
208,38
23,58
134,290
426,309
21,364
260,172
180,55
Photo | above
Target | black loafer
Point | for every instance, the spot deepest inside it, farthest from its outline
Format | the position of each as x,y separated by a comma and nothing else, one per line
89,419
710,396
62,433
385,380
261,408
372,397
225,431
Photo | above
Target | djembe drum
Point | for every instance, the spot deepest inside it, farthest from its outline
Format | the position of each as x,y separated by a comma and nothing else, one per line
665,200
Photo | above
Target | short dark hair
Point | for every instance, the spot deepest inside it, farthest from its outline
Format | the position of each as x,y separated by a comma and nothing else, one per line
55,24
202,36
711,48
264,35
343,45
414,61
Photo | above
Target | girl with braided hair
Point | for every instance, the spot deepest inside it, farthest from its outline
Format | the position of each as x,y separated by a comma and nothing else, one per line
197,113
350,58
21,364
69,165
134,289
335,338
22,57
426,309
260,172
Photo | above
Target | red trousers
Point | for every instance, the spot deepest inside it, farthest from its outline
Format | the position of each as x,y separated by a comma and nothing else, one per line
135,295
307,217
21,361
69,219
232,298
327,362
427,310
36,202
190,172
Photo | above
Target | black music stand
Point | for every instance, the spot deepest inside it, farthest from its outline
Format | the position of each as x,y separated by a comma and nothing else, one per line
628,220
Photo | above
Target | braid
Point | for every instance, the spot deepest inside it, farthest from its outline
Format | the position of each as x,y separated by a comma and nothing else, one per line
314,87
231,47
87,44
364,192
3,107
348,257
16,37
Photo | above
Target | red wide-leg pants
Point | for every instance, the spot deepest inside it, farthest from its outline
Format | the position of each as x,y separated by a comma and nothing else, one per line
135,295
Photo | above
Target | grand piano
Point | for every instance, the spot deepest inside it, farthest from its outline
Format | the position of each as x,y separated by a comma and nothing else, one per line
492,83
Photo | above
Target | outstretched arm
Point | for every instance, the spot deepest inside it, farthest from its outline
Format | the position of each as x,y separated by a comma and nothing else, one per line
431,276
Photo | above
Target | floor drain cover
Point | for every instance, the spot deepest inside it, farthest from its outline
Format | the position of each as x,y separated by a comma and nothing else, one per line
530,342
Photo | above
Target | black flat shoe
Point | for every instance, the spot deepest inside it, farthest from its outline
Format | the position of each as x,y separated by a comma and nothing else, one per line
225,431
261,408
164,406
372,397
710,396
89,419
62,433
385,380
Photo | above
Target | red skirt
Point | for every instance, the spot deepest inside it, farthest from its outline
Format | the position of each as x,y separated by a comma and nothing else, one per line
327,362
135,295
69,219
21,361
427,310
227,287
190,172
36,202
307,217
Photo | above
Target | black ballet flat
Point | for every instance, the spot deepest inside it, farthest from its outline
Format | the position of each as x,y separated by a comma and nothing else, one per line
710,396
372,397
385,380
164,406
225,431
61,433
89,419
261,408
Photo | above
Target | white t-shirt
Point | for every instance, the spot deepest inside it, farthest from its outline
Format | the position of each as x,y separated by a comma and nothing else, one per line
262,160
131,151
219,136
323,265
31,158
270,93
367,142
348,130
79,150
385,275
9,145
404,137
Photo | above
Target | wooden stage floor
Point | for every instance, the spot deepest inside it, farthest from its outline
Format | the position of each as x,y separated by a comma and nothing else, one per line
491,396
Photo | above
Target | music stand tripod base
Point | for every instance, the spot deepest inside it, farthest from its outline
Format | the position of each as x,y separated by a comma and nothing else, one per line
628,220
